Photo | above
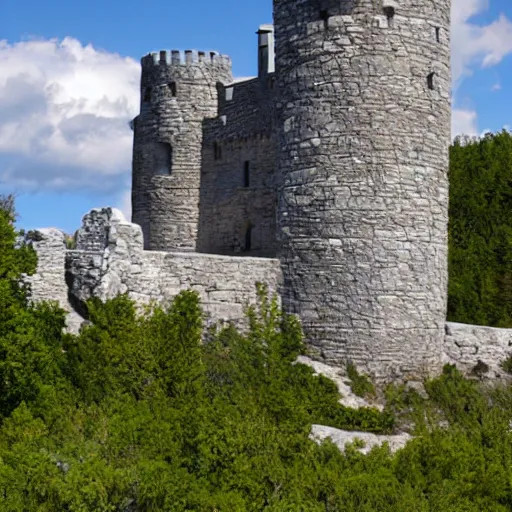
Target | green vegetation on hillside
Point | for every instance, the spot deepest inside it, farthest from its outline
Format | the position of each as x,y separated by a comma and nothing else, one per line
138,414
480,251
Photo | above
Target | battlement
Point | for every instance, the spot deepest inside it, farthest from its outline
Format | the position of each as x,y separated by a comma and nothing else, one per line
185,58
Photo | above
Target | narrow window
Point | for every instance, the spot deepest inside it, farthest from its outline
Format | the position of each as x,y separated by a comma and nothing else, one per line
162,159
390,15
217,151
324,16
438,34
147,94
430,81
247,176
174,90
248,238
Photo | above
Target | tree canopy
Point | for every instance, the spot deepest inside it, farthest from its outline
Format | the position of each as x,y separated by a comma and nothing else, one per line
480,231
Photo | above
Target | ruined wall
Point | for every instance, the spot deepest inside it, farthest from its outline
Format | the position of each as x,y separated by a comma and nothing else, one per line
178,92
48,282
225,284
238,185
364,130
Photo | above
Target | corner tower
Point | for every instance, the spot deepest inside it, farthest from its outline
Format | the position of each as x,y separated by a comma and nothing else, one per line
364,131
178,92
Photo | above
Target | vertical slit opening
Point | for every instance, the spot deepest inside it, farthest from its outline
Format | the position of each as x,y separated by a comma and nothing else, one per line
173,88
248,238
324,16
247,177
430,81
217,151
438,34
147,94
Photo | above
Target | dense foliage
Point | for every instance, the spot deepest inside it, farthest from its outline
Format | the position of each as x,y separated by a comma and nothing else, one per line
480,251
137,413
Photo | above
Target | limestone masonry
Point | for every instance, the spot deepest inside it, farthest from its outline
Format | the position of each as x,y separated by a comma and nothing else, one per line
325,176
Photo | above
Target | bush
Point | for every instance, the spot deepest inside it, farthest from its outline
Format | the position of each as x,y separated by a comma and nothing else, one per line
361,385
138,414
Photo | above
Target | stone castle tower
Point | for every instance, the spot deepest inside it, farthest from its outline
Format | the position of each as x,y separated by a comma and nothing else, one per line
364,132
178,92
334,161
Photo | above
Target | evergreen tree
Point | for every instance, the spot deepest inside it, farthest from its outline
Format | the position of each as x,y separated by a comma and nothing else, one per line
480,231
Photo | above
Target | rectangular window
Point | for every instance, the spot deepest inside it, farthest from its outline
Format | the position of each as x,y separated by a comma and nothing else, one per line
390,15
247,175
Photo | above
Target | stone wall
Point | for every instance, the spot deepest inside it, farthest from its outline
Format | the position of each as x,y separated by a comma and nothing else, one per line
229,209
477,350
364,130
235,218
225,284
48,282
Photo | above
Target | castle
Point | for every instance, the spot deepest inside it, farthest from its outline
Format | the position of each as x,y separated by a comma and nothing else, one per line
325,177
333,159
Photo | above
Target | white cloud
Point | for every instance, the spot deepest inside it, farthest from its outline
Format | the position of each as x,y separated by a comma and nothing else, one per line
475,46
65,109
125,203
464,122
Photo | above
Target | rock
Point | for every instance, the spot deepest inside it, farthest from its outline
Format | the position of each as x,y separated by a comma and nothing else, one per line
347,396
341,438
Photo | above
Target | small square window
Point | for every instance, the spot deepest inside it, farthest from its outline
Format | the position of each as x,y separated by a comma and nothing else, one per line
390,15
324,16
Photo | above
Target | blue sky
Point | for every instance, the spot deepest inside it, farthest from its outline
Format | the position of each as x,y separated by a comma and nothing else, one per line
69,84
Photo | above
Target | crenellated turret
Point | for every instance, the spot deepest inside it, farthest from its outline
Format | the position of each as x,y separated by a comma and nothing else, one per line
179,90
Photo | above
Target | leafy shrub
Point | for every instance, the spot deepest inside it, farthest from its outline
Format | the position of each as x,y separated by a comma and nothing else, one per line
507,365
138,414
361,385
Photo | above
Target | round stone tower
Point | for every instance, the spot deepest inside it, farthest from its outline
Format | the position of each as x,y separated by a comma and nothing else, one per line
364,129
178,92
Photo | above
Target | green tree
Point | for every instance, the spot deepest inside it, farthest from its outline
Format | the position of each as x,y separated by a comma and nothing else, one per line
480,231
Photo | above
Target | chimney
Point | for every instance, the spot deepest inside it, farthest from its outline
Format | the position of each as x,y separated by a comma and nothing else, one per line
266,54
